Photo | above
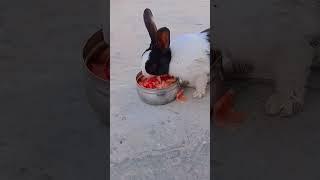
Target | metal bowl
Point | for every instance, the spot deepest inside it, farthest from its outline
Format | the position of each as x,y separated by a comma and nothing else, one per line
97,89
157,96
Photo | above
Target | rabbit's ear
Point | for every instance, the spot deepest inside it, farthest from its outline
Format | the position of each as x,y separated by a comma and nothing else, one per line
150,24
163,38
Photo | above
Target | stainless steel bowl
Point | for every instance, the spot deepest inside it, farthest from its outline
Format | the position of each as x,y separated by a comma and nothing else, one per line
157,96
97,89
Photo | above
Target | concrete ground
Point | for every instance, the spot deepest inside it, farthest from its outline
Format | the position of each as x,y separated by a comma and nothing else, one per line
169,142
47,129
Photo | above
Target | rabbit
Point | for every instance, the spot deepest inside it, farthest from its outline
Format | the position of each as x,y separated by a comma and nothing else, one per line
186,57
275,37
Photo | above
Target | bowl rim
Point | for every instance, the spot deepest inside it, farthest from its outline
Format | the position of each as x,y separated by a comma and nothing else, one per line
100,45
94,43
152,91
92,73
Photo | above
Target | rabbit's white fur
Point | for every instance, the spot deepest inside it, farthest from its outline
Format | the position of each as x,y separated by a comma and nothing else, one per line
271,35
190,61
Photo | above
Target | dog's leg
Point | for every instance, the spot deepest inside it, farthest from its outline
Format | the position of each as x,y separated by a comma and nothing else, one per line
200,85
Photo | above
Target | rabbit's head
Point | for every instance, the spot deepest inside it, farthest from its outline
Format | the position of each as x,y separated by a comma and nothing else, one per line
157,57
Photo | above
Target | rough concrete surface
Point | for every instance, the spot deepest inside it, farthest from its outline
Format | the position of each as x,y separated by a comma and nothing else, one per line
169,142
47,129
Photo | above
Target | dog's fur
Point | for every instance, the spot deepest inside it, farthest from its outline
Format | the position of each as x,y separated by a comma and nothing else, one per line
275,37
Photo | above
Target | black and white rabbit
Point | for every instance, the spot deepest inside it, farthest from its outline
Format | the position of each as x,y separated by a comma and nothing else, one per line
186,57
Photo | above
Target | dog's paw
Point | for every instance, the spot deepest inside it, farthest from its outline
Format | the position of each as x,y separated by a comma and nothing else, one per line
284,105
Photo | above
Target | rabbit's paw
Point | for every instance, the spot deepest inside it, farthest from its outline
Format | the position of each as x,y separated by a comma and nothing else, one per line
198,93
201,85
284,105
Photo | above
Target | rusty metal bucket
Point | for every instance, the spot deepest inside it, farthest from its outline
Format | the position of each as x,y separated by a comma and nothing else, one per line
97,88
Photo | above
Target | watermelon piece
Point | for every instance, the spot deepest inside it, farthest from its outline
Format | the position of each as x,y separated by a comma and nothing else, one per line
224,112
180,96
157,82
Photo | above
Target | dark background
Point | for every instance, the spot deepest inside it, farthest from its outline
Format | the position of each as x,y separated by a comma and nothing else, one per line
47,129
